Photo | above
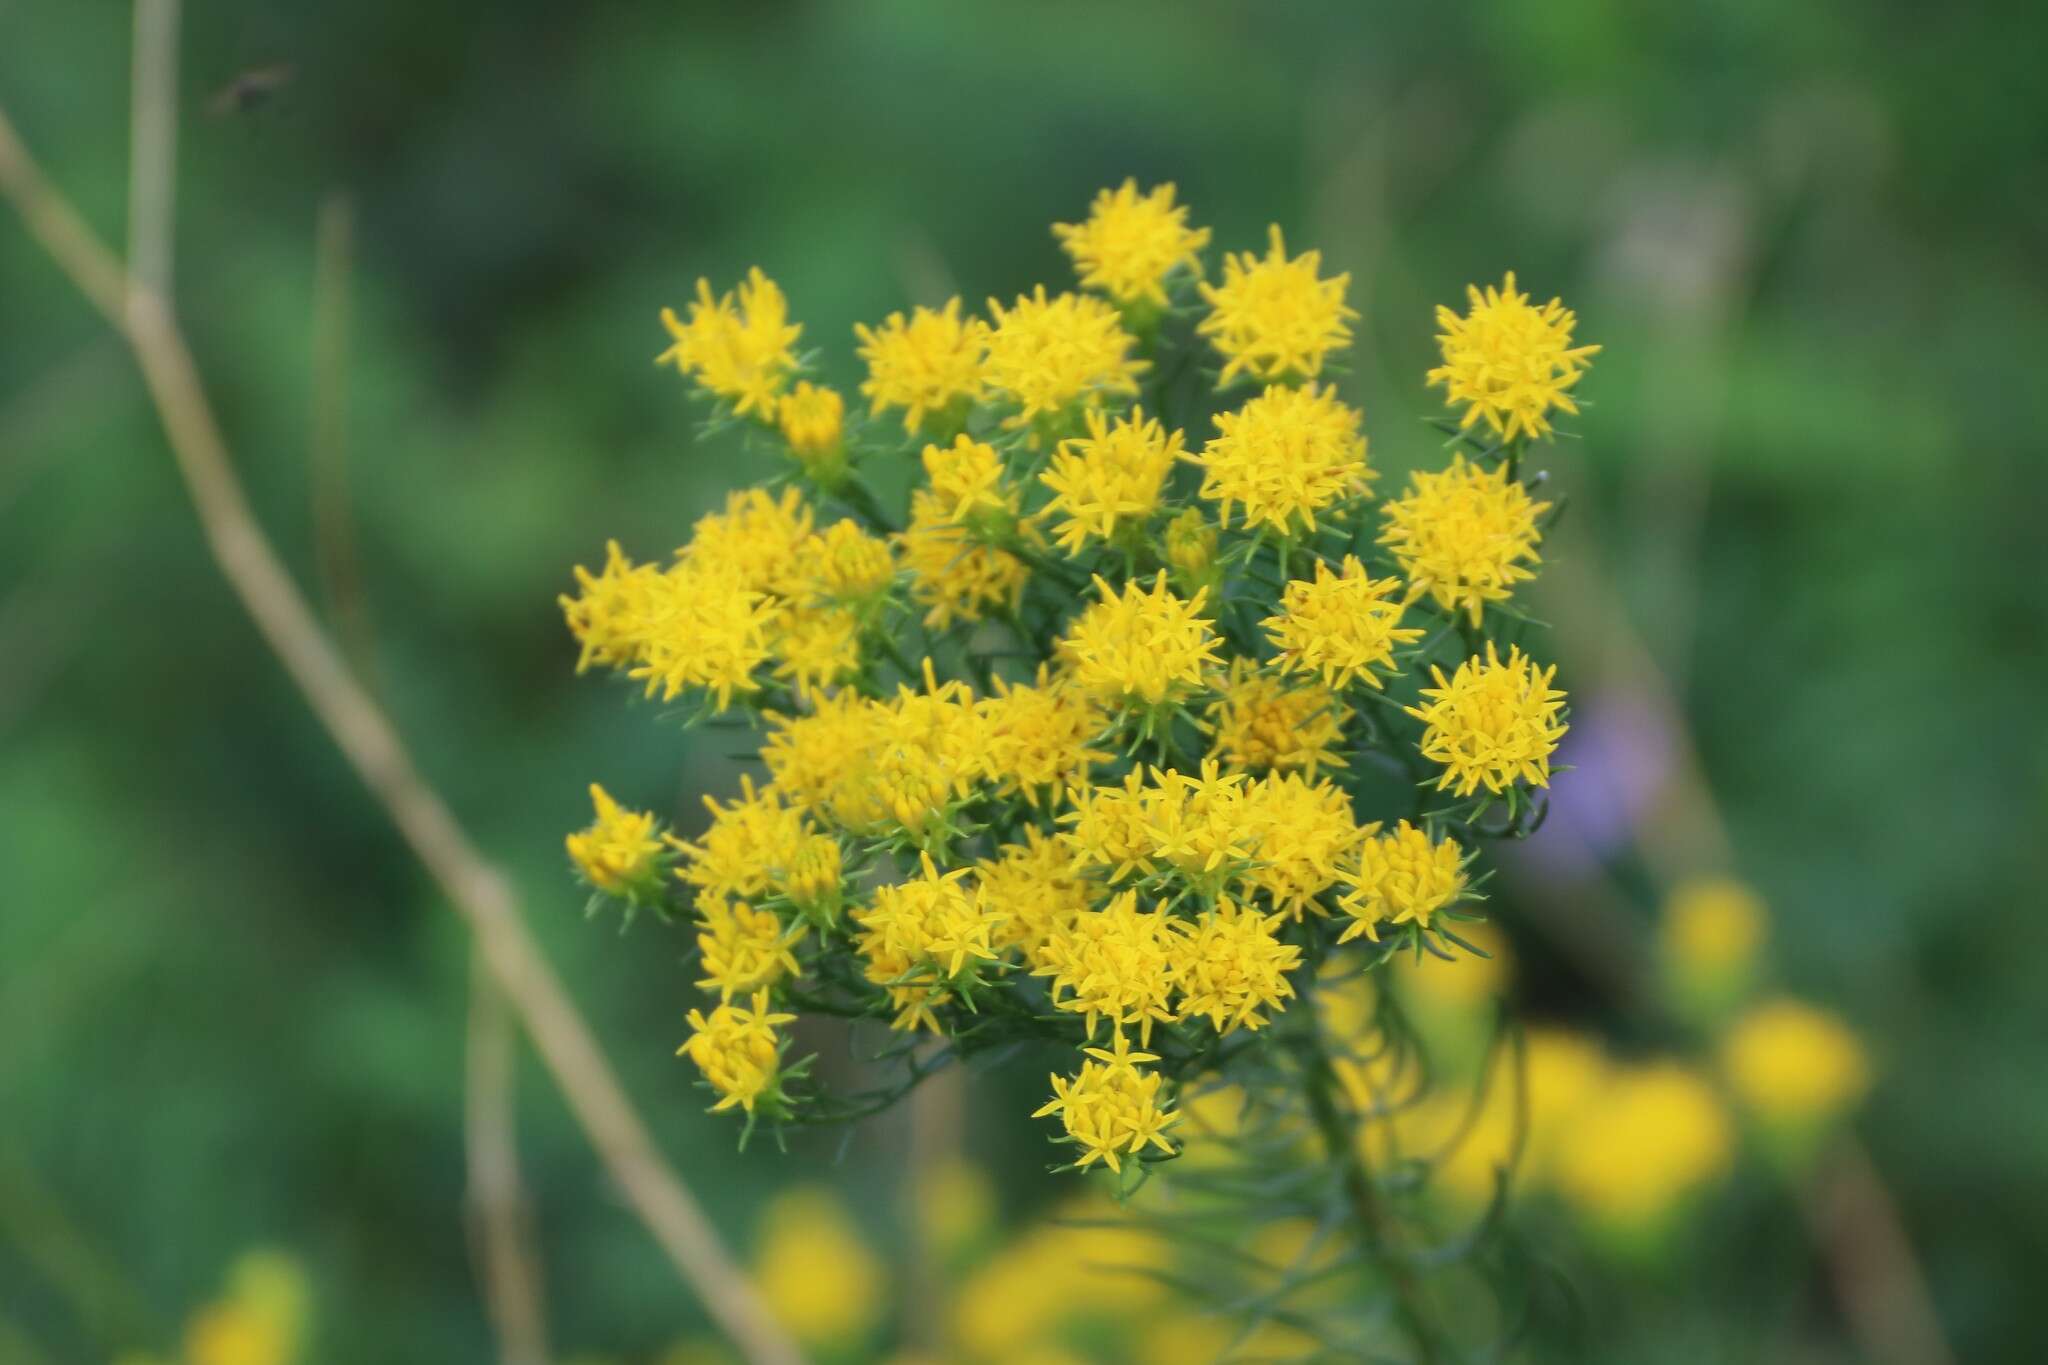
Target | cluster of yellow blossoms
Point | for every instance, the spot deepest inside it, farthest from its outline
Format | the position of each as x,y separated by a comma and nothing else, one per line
1115,736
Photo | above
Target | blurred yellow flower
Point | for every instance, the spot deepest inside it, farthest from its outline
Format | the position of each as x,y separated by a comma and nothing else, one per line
1653,1136
1790,1063
259,1320
1266,722
813,422
818,1277
737,348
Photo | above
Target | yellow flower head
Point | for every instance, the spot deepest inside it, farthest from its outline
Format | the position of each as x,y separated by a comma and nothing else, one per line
818,1278
1792,1064
743,949
1464,536
953,577
925,750
709,630
964,501
1654,1135
965,483
1303,831
1272,318
1284,456
813,422
1131,242
816,648
1508,362
1114,965
930,929
1140,647
757,541
1713,927
1491,723
1040,737
819,760
1340,627
1262,721
1112,477
1045,355
614,610
928,364
738,1050
260,1320
1189,822
1033,888
1112,1108
1231,964
739,351
1400,877
748,847
619,852
843,563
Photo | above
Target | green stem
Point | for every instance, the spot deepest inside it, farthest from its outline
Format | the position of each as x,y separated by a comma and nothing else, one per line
1364,1198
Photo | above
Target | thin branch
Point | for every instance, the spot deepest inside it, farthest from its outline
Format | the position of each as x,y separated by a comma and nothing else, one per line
476,889
501,1219
334,531
152,148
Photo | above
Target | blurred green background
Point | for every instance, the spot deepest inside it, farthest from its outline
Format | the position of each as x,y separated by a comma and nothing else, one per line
232,1009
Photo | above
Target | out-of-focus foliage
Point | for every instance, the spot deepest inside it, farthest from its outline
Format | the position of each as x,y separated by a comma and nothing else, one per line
233,1012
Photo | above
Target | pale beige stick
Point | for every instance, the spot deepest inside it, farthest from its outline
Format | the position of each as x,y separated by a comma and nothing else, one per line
501,1219
334,535
475,889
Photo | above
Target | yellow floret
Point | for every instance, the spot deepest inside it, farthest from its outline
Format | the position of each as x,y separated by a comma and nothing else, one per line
1272,318
1509,362
1341,627
737,349
1131,242
1048,355
1112,1108
1283,457
1464,536
928,364
1491,723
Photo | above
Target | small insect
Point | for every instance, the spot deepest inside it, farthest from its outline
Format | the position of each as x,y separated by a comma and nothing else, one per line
253,89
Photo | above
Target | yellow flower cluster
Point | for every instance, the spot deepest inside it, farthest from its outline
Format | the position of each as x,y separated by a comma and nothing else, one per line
738,1050
1509,362
755,588
1111,478
619,853
1112,1109
1080,737
1131,242
1284,456
1274,318
1463,535
739,349
1491,722
1262,721
1140,647
1400,877
1340,626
